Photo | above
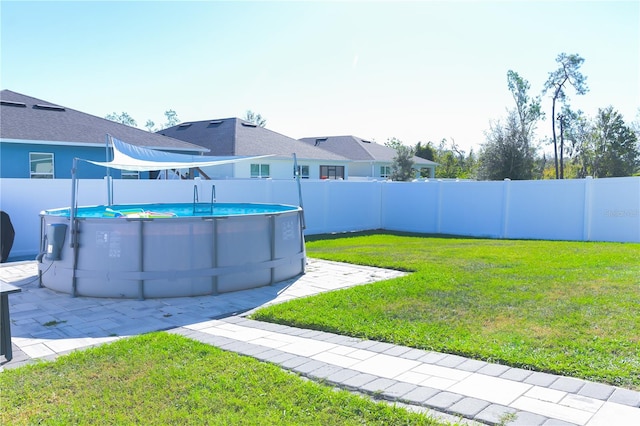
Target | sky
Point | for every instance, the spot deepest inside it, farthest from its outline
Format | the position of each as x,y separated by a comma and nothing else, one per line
417,71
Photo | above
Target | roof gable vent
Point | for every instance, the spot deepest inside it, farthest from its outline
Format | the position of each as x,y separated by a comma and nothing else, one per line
318,140
12,103
184,125
249,124
49,107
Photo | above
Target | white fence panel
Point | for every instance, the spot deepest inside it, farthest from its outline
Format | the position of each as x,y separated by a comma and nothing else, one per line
226,190
410,207
589,209
315,201
242,190
552,210
24,199
127,191
471,208
284,192
341,206
613,210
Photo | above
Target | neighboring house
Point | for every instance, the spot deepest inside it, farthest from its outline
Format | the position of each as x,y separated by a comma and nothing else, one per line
233,136
368,159
39,139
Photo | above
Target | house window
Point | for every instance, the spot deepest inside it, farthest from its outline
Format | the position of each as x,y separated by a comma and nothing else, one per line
260,171
385,171
303,171
126,174
331,172
41,165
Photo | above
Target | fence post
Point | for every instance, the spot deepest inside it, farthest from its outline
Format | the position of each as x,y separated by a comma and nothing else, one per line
506,200
325,205
269,190
439,208
586,214
382,211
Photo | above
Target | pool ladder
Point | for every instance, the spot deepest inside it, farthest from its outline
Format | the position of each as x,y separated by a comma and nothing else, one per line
204,207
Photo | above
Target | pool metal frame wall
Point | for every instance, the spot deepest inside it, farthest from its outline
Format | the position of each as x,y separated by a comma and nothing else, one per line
173,257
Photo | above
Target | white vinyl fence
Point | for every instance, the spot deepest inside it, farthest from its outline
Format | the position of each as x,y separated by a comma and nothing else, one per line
582,210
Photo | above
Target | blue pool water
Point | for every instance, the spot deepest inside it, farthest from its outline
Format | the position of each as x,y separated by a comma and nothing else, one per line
173,210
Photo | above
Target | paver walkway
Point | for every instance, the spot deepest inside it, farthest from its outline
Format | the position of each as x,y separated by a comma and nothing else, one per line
47,324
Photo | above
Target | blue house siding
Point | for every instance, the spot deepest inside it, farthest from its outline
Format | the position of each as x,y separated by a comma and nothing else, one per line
14,161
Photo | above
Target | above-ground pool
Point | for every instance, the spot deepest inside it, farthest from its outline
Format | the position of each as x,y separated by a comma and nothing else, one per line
170,250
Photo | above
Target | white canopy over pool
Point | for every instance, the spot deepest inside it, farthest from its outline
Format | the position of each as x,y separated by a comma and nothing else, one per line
136,158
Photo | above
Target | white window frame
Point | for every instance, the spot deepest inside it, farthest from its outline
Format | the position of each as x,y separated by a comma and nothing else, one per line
332,168
303,172
263,172
41,175
385,172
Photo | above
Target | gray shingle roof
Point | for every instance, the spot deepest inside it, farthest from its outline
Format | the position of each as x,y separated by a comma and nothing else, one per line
357,149
233,136
23,117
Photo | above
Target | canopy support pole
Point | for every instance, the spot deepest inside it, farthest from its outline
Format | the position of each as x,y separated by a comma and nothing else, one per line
74,226
296,173
109,182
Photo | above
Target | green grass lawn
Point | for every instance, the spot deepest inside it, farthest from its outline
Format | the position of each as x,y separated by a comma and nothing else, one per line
161,378
570,308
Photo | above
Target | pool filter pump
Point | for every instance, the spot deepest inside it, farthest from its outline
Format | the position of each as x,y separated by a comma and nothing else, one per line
56,233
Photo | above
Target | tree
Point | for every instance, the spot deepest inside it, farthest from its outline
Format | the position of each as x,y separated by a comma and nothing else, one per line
577,132
567,74
506,154
402,166
470,166
394,143
452,162
615,146
255,118
509,151
449,166
150,125
123,118
172,119
635,124
428,151
528,109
